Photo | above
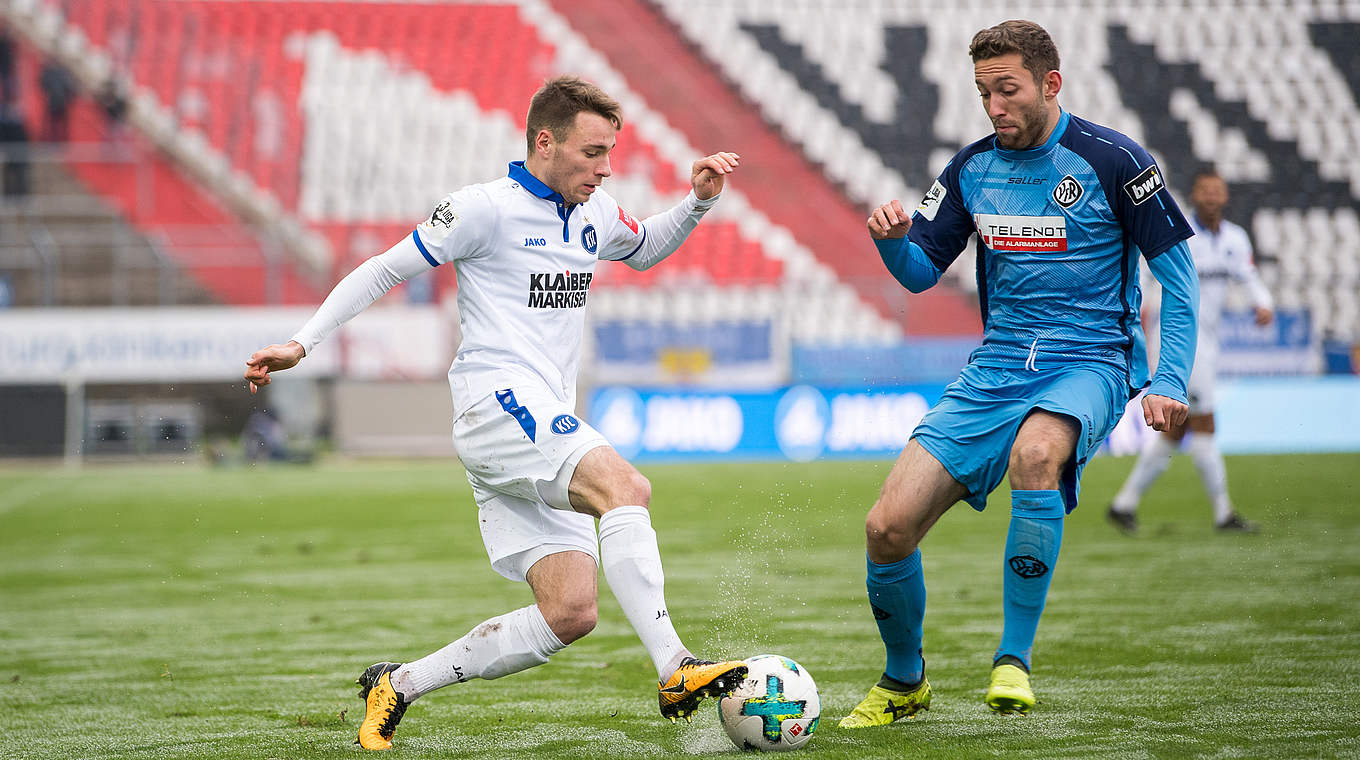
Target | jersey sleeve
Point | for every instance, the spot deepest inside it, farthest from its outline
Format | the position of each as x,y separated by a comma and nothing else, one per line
1244,271
623,234
1143,204
941,224
458,228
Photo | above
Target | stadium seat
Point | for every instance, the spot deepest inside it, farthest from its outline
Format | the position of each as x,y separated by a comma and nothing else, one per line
298,98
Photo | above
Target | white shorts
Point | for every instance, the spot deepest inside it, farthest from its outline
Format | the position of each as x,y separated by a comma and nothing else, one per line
1203,378
520,447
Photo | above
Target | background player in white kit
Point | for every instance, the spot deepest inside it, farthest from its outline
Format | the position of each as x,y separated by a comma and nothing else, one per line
524,248
1222,252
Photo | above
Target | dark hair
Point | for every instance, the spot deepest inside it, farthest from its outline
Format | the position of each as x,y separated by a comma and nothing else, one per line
555,105
1205,173
1037,51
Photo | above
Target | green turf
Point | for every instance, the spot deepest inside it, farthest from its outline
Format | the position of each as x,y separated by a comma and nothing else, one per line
155,612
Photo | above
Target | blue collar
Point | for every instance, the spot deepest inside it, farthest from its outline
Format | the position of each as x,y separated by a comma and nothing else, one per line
533,184
1038,150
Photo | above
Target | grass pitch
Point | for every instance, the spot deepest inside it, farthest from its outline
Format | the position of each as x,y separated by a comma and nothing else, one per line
164,612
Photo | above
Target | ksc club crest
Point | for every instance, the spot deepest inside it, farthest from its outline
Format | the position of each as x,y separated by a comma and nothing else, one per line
588,239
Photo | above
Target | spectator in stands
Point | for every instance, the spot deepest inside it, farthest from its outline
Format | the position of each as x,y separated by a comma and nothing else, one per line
525,247
8,93
1062,208
13,153
112,100
59,90
1222,252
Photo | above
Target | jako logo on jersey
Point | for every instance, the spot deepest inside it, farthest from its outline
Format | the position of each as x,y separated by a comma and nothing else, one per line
628,221
1022,233
1026,566
1145,185
534,242
1067,192
559,290
588,240
565,424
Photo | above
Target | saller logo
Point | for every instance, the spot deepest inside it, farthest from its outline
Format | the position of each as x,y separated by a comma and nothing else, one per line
1026,566
1022,233
1145,185
559,290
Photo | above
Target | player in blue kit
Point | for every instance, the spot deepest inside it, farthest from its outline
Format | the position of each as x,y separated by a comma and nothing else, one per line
1062,209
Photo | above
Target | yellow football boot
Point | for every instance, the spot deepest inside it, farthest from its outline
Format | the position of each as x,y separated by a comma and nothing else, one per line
383,706
694,680
883,706
1010,691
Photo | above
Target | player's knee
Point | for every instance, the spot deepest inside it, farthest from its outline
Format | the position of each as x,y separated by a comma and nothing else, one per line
887,539
571,619
635,490
1035,463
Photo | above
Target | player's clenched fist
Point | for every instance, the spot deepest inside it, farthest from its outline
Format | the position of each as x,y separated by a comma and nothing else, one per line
1162,413
889,221
710,172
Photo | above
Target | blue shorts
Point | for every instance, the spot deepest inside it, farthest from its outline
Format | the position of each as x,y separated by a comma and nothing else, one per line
971,428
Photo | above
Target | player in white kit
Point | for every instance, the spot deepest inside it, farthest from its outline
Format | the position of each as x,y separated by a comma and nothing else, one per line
1222,252
524,248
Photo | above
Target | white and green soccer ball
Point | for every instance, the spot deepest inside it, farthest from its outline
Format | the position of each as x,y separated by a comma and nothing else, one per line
775,708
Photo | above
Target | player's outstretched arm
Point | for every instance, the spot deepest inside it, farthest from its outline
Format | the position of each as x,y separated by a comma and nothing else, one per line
664,232
366,284
906,261
277,357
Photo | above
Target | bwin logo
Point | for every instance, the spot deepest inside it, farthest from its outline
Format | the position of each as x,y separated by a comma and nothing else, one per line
1026,566
535,242
1144,186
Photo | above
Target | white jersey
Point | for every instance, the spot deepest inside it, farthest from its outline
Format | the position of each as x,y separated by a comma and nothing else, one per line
1220,257
525,260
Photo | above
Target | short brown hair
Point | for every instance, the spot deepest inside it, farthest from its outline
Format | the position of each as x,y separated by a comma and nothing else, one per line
555,105
1037,51
1206,173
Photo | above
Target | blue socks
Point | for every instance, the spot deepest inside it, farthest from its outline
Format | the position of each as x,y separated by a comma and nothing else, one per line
897,594
1031,553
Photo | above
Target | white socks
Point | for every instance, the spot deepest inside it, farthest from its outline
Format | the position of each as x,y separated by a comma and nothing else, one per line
1152,462
521,639
632,567
1203,451
1212,472
500,646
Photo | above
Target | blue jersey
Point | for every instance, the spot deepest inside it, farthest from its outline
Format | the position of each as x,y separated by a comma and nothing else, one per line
1060,227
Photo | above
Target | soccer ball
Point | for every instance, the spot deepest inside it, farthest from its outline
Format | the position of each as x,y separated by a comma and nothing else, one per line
775,708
